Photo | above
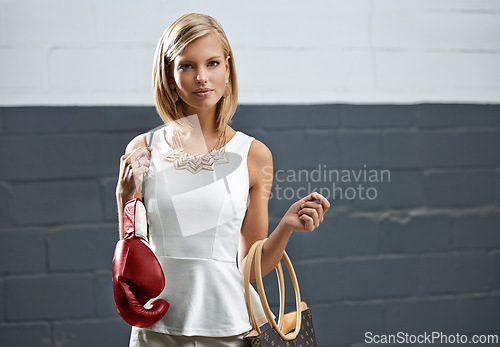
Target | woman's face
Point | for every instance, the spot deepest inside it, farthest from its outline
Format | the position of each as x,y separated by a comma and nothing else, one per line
200,73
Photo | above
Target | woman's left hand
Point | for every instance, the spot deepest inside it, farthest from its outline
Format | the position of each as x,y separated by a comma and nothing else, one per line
306,214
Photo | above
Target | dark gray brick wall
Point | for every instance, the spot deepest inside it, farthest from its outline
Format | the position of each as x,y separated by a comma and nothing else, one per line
471,307
432,314
53,296
57,202
30,334
497,183
418,148
111,332
347,321
459,187
422,256
22,252
494,258
390,276
76,249
454,273
2,294
360,147
6,205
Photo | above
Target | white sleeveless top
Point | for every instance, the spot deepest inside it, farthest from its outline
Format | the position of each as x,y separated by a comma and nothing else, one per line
194,229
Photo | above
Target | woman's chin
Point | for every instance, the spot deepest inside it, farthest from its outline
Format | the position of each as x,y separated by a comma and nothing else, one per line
200,105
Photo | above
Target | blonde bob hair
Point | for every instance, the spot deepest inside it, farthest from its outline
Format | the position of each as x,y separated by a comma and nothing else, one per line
176,37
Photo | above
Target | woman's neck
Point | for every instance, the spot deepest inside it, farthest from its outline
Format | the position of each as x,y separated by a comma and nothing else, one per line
207,120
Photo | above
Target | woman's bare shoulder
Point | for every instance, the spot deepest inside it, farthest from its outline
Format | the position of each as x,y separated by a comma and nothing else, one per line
259,152
136,142
260,162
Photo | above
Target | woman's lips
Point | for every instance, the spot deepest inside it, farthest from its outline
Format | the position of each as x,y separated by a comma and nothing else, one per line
203,93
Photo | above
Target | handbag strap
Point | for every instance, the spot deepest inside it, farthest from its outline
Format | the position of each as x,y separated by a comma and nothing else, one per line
246,279
262,293
256,251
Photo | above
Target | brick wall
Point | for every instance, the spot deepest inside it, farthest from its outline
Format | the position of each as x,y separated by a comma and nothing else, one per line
422,256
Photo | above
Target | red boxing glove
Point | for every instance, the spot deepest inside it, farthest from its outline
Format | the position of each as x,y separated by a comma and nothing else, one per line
137,274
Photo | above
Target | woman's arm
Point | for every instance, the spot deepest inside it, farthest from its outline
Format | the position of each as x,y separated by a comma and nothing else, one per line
303,215
255,223
128,180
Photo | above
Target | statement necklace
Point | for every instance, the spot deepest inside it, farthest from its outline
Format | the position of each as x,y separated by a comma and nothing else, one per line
196,163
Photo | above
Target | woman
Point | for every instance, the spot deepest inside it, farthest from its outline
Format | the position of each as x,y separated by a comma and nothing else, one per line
199,222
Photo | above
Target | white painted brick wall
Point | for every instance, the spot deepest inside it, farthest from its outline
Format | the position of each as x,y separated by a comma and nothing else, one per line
100,52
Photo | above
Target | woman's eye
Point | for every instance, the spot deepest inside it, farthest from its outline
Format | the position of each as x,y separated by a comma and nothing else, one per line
187,66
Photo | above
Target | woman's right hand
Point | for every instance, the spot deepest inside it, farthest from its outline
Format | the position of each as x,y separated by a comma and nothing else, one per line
132,165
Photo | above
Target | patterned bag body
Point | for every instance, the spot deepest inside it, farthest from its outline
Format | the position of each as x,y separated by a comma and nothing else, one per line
294,328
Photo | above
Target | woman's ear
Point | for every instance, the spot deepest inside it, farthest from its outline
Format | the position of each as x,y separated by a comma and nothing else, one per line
228,67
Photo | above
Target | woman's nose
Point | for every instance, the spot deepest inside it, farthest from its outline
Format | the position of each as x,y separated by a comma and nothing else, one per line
202,76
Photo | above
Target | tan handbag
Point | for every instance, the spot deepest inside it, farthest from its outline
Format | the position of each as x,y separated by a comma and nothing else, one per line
294,328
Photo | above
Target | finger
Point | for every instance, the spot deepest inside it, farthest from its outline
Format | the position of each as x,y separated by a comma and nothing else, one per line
125,156
134,164
140,162
140,170
308,222
309,197
129,175
143,150
143,157
308,210
320,200
140,152
143,161
311,212
125,160
318,207
135,154
136,178
124,169
324,201
121,173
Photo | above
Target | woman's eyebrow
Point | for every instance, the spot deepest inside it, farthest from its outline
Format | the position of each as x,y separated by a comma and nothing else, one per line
183,61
